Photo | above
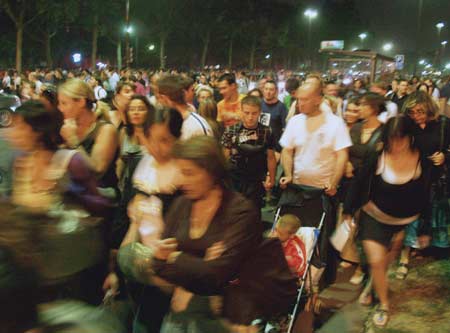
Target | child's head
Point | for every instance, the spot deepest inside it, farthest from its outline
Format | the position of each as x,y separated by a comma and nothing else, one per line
287,226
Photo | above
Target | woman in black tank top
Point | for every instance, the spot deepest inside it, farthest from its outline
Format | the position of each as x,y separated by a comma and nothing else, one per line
96,139
390,188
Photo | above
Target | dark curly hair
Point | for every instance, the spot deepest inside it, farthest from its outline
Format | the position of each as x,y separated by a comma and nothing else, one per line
150,109
47,123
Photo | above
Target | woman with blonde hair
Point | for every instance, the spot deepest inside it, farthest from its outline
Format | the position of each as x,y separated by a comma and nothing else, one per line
208,110
94,137
432,136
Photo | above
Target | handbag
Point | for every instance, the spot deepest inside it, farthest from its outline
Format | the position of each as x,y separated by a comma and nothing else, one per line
341,235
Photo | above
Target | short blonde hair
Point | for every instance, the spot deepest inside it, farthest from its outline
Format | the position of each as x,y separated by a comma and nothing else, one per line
289,221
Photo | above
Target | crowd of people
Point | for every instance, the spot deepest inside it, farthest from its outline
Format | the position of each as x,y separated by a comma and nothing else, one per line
169,173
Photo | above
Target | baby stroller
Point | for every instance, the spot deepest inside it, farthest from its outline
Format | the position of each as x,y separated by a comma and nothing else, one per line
310,205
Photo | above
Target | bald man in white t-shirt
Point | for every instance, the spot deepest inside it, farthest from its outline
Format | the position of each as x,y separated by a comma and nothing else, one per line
315,144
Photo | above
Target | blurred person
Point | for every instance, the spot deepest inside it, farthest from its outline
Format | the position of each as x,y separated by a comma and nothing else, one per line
139,87
22,262
132,140
331,90
315,153
96,139
351,114
393,90
95,83
27,91
49,97
433,91
444,101
274,112
171,95
255,92
217,215
208,110
189,91
292,85
7,82
229,108
366,136
250,146
401,95
155,183
119,103
391,191
262,82
204,93
294,249
432,139
47,178
391,111
242,82
33,78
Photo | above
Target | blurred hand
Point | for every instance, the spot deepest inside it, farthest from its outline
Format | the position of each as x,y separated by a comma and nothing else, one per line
268,184
349,170
165,247
69,132
284,181
215,251
437,158
330,190
111,283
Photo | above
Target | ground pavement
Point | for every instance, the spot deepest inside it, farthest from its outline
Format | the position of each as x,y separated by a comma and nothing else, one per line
420,303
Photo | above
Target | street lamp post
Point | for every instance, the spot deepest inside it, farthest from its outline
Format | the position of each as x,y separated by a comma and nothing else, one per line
362,36
128,31
310,14
439,27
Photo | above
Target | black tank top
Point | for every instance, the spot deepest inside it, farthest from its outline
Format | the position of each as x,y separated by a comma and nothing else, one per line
399,200
109,178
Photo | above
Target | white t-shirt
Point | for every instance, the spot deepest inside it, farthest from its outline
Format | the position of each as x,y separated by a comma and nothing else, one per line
195,125
99,93
391,111
315,153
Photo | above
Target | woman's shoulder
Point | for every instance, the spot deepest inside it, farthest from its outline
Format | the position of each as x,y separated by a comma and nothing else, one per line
238,207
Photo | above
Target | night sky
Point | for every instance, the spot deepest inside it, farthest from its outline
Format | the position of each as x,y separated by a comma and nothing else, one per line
393,21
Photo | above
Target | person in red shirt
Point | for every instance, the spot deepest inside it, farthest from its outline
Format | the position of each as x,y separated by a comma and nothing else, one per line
293,246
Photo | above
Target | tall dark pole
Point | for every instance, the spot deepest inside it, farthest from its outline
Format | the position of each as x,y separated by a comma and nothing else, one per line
419,24
309,42
127,33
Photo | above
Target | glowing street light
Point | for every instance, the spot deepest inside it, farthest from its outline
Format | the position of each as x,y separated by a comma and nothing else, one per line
440,25
447,66
151,47
444,42
311,13
129,29
422,62
267,56
387,47
362,36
